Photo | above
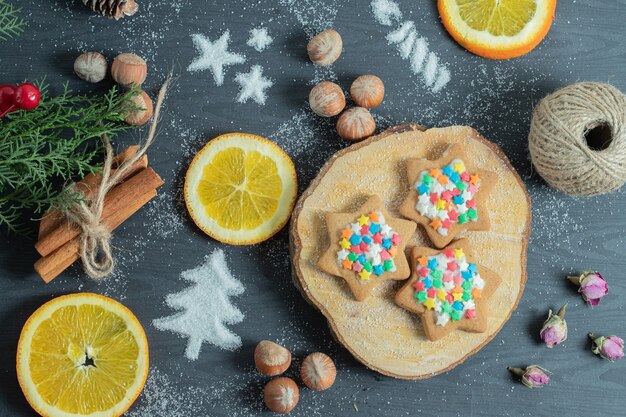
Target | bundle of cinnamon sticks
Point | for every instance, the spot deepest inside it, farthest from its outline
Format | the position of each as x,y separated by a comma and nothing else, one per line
59,240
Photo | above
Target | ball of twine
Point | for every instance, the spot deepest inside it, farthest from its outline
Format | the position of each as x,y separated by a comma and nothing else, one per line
577,139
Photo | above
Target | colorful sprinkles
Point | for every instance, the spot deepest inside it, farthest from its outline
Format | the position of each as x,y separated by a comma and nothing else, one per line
447,196
368,246
449,285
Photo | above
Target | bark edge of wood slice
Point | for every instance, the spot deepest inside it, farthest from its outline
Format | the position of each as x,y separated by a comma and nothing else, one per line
377,332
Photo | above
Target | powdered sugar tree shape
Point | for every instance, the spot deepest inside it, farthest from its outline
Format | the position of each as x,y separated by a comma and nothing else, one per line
205,307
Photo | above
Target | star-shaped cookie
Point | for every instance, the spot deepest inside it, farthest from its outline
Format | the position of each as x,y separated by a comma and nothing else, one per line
448,290
367,247
448,195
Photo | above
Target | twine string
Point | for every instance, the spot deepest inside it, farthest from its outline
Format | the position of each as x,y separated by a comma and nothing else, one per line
558,139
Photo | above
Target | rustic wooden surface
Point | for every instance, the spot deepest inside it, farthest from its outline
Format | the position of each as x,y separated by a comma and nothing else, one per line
382,335
585,43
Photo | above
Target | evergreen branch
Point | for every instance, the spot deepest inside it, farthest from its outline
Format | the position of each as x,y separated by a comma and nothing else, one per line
44,149
11,24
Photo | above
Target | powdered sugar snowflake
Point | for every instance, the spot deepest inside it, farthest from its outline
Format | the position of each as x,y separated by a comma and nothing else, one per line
259,39
253,85
214,56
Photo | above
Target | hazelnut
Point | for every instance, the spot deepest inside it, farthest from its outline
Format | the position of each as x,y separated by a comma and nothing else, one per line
325,47
91,67
327,99
355,124
368,91
318,371
271,359
144,104
129,69
126,8
281,395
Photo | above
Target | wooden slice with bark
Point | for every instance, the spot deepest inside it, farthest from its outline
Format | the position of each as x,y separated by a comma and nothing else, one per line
380,334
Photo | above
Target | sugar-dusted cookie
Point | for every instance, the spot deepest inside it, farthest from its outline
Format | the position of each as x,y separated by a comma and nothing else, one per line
448,290
447,195
367,247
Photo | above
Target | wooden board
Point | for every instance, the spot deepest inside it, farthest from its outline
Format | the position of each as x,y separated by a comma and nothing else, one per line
381,335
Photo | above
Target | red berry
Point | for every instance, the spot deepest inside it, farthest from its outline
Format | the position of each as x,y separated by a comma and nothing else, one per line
7,95
27,96
7,99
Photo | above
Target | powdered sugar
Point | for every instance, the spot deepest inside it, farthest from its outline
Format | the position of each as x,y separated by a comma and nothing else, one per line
162,397
411,46
214,56
443,79
206,307
386,11
313,15
253,85
430,71
259,39
404,36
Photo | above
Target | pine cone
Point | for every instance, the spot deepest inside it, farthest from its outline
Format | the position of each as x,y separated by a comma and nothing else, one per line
113,8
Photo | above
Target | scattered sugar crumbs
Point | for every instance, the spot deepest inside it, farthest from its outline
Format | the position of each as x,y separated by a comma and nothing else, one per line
175,394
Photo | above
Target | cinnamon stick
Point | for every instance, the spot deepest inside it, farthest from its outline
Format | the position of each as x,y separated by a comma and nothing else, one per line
116,200
89,185
49,267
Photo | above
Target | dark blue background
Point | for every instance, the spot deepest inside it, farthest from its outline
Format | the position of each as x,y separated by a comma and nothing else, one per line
586,43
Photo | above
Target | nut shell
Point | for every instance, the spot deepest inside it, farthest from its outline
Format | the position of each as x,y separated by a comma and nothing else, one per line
281,395
91,67
327,99
368,91
271,359
129,69
318,371
355,124
325,47
140,117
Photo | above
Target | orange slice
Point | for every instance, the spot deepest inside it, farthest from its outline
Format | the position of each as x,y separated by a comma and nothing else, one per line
82,355
497,29
240,188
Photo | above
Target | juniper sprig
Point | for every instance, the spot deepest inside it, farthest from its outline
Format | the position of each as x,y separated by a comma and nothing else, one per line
44,149
11,24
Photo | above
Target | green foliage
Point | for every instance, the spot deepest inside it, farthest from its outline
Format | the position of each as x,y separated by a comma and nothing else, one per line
46,148
11,24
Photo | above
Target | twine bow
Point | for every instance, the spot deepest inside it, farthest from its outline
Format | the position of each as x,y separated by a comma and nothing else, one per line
95,238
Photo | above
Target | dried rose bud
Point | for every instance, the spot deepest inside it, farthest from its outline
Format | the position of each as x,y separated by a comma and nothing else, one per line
534,376
554,330
593,287
608,347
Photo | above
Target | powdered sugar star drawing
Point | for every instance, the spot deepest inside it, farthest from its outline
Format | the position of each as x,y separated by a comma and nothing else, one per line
214,56
253,85
205,307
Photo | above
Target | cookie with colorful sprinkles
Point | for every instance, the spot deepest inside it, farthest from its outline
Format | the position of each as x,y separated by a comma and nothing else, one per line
448,195
367,247
448,290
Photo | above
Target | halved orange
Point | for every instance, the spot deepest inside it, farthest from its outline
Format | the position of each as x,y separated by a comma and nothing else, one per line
240,188
497,29
82,355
